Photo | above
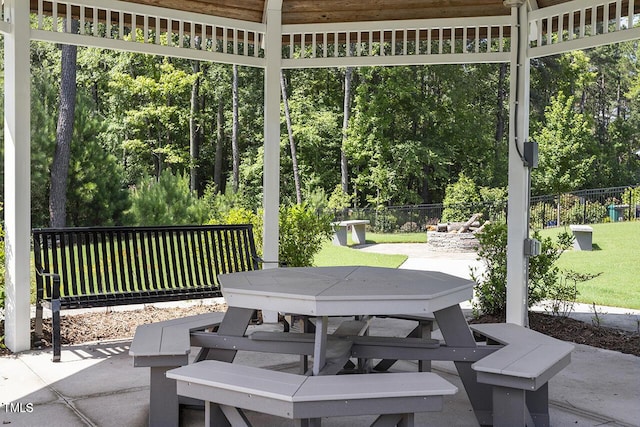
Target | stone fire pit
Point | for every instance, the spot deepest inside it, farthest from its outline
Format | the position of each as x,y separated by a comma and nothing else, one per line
455,236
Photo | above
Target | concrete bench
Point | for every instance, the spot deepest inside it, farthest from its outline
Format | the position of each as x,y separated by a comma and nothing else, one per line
358,231
519,372
165,345
582,237
395,397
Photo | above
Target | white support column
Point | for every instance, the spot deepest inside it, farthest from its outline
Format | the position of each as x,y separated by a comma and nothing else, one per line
271,179
517,218
17,175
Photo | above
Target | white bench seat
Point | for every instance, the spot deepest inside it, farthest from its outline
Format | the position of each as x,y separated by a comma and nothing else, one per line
298,397
519,372
161,346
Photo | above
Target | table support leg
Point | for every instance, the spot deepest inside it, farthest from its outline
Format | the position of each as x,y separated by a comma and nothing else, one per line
456,333
214,416
386,364
394,420
320,344
235,323
235,416
424,332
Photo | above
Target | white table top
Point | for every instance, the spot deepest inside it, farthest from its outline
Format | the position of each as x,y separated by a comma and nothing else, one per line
342,291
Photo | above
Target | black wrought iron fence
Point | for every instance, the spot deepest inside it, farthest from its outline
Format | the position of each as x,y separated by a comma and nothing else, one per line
579,207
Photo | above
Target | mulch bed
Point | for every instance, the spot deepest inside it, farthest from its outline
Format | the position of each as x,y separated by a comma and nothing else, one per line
101,326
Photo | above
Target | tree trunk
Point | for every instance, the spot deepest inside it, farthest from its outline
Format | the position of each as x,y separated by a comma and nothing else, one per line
234,132
292,144
194,130
217,167
344,171
64,134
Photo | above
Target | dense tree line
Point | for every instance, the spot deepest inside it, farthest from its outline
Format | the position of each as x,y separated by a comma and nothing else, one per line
350,137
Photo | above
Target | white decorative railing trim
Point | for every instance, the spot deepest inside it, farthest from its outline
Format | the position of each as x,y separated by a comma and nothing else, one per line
143,26
580,24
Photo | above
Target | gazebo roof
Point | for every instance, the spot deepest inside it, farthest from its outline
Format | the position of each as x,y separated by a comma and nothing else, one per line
334,11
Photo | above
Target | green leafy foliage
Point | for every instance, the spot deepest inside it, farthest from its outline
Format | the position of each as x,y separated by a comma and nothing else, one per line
167,201
302,233
339,199
491,285
240,215
464,198
461,200
564,147
544,276
412,129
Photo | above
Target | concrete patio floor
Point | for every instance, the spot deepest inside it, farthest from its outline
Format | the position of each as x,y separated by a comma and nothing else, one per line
97,385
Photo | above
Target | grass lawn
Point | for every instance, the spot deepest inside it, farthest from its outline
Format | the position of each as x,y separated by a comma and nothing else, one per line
392,238
395,237
332,255
616,255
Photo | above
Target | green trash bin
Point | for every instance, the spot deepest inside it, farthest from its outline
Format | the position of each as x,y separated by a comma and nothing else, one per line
616,212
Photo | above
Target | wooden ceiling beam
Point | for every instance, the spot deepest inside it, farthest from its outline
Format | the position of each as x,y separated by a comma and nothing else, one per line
388,15
243,9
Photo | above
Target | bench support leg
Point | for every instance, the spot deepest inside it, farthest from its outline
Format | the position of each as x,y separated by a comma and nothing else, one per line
38,320
315,422
55,329
393,420
538,404
164,408
510,408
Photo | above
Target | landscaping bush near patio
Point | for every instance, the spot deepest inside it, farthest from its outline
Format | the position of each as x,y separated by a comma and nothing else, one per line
544,275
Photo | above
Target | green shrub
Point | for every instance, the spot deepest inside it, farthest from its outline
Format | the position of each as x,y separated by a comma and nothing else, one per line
461,200
544,275
542,213
219,204
302,233
465,198
491,285
240,215
339,200
384,222
302,230
167,201
494,202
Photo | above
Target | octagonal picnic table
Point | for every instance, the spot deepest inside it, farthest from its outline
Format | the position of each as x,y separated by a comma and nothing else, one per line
322,292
